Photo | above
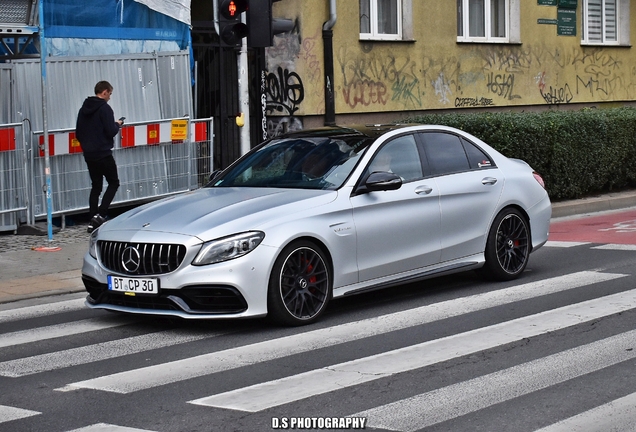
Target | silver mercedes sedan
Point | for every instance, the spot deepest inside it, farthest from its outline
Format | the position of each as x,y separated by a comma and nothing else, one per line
317,214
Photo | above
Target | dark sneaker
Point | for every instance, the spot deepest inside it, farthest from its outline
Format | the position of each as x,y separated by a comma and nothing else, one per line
96,222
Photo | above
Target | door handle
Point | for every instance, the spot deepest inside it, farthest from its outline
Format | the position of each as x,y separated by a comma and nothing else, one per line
488,181
423,190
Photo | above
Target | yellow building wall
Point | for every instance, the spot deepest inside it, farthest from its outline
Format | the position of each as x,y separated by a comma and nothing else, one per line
434,71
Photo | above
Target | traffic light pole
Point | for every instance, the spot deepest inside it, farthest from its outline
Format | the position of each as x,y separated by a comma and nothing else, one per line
244,96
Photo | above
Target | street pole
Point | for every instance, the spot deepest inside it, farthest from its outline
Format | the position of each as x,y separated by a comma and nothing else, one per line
47,162
244,96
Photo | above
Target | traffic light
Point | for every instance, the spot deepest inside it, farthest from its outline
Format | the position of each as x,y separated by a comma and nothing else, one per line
262,26
231,29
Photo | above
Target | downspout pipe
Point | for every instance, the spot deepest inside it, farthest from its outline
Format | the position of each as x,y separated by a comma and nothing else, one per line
327,37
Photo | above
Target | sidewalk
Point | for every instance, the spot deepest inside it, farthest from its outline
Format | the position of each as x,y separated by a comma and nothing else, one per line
26,271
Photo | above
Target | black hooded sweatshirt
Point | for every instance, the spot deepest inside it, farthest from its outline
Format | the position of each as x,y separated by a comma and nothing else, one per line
96,128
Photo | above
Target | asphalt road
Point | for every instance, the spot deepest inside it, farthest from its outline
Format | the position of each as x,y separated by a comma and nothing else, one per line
555,349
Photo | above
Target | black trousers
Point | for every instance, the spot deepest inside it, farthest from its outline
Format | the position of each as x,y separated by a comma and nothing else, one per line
98,170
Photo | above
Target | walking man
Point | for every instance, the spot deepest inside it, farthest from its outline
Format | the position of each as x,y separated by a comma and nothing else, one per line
95,129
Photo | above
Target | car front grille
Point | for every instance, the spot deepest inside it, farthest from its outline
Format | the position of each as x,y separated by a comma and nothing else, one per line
138,259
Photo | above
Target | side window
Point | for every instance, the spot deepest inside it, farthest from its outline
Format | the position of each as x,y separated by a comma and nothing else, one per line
399,156
445,153
476,158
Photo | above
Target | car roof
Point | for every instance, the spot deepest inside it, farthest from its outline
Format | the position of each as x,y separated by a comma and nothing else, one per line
367,130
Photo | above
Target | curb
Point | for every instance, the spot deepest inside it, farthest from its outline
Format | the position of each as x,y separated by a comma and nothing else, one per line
608,202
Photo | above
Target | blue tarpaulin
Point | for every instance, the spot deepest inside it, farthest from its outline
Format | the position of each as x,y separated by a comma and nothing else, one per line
112,27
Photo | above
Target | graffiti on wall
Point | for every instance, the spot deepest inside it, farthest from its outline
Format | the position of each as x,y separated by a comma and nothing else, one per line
284,91
369,79
279,125
584,73
465,102
282,88
385,77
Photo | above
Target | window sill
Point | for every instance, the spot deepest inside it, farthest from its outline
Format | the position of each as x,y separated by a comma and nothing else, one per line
491,42
372,39
606,44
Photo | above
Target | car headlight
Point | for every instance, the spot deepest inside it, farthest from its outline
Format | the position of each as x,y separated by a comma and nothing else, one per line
228,248
92,244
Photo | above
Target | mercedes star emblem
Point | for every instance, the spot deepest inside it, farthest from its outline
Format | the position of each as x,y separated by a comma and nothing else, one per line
130,259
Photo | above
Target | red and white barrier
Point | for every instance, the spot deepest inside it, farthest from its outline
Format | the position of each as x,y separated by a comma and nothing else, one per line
60,143
7,139
147,134
173,131
199,131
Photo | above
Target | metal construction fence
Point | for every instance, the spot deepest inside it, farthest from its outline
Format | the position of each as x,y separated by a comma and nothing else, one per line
13,174
154,158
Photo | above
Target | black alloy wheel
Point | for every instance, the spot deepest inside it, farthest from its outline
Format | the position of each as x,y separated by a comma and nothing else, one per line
300,284
508,246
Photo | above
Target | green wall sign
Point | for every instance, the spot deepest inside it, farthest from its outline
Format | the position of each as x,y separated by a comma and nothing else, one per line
568,4
566,22
547,2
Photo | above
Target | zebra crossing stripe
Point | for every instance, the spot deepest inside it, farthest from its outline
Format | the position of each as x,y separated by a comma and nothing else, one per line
616,416
41,310
564,244
618,247
60,330
444,404
96,352
336,377
105,427
8,413
166,373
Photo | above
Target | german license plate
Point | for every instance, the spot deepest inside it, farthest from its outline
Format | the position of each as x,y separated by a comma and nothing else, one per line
133,285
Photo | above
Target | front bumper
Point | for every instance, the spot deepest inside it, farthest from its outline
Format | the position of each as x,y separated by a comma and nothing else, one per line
192,300
231,289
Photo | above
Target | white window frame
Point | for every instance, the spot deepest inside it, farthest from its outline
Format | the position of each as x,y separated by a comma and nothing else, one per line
621,22
373,20
511,15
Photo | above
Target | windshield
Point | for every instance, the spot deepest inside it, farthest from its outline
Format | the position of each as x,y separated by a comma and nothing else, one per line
305,163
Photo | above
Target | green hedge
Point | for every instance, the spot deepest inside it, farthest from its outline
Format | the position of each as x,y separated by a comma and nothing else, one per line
578,153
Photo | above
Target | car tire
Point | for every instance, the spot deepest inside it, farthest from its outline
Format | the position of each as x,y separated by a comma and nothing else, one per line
507,246
300,285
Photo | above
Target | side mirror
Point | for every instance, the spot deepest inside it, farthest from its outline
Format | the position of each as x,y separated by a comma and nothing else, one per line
380,181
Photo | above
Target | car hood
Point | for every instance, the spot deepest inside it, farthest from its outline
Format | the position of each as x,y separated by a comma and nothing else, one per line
208,213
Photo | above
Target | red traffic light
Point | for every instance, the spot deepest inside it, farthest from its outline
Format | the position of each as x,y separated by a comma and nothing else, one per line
232,9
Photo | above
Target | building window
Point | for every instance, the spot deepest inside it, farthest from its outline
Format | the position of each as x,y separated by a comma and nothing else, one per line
600,22
483,20
381,19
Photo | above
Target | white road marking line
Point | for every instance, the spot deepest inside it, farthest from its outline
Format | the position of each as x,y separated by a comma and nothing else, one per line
105,427
96,352
336,377
41,310
166,373
616,416
619,247
60,330
446,403
564,244
8,413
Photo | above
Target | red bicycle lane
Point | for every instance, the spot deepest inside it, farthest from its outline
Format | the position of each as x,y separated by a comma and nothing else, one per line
614,227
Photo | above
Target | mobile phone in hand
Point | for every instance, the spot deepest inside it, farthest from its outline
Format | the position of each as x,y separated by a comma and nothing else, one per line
121,119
